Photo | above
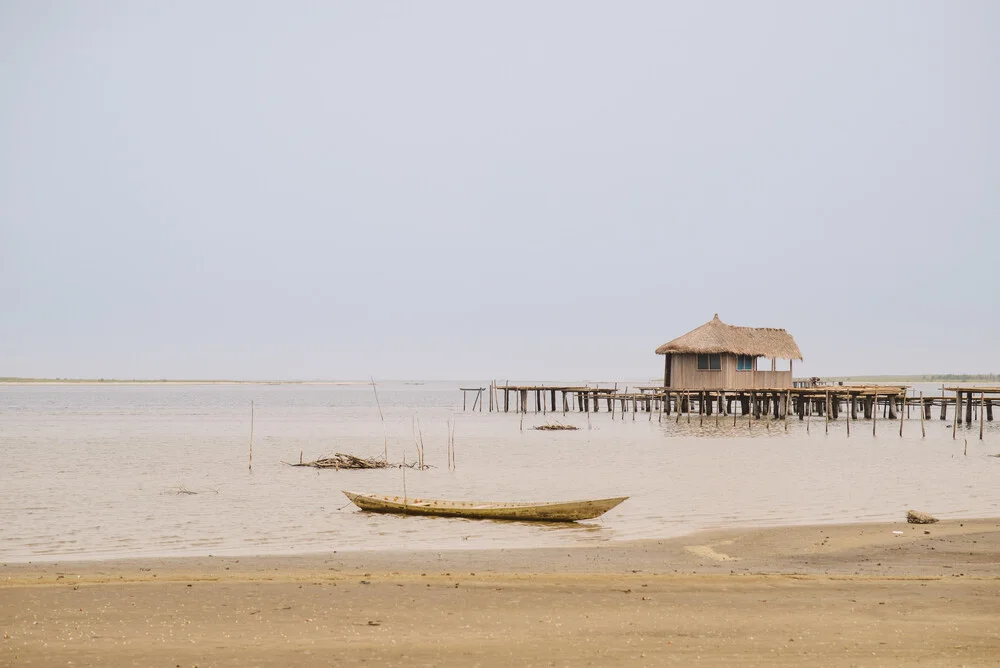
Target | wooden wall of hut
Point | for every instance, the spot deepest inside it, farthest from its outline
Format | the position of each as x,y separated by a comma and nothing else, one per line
685,375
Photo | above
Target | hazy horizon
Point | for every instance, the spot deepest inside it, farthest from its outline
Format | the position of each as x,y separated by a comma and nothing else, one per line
447,190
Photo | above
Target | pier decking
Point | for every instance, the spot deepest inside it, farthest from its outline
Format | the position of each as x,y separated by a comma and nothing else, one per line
857,402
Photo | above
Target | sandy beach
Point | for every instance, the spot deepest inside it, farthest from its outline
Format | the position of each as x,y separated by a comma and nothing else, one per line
819,595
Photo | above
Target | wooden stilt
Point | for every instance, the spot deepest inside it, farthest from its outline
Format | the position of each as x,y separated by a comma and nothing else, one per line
982,413
958,410
874,413
849,407
923,431
901,413
788,407
827,426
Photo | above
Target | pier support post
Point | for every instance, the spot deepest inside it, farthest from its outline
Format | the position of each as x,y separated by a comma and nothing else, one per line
989,410
854,407
926,406
892,407
944,407
968,409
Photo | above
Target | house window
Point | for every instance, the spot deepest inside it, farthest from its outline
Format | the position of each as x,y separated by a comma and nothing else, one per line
744,363
709,362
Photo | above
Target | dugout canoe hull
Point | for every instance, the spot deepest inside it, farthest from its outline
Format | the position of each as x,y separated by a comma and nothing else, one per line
561,511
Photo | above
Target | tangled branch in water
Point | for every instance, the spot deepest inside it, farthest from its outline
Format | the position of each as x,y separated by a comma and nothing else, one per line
555,427
340,460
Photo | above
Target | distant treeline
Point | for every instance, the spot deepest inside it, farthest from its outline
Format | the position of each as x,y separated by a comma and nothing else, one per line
928,378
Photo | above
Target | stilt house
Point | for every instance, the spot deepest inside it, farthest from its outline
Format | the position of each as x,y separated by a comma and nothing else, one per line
718,356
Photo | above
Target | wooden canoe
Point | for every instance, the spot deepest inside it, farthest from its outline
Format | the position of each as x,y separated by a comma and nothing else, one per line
560,511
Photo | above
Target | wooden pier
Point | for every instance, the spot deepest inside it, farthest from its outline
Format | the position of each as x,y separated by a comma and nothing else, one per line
854,402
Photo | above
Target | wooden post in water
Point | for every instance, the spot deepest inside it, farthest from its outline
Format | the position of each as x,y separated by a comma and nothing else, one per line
827,411
982,413
874,413
788,407
768,403
958,410
923,432
901,413
850,400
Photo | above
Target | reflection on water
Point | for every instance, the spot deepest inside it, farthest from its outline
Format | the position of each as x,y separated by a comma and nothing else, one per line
94,471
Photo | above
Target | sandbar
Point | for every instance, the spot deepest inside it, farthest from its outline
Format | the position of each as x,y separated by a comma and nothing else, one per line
883,594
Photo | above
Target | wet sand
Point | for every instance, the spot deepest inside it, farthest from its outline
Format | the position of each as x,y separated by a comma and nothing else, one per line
819,595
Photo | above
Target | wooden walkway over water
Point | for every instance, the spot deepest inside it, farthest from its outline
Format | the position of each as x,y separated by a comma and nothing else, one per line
855,402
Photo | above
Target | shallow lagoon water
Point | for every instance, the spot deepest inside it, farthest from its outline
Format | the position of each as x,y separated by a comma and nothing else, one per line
94,471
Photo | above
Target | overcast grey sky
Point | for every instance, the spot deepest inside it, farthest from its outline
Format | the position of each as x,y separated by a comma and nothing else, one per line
510,189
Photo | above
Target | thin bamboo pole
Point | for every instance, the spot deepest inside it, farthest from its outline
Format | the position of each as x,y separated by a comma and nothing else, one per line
385,435
251,435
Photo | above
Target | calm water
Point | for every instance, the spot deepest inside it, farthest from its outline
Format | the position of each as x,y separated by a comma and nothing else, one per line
93,471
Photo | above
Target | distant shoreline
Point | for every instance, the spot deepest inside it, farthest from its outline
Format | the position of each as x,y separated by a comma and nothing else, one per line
918,378
117,381
13,380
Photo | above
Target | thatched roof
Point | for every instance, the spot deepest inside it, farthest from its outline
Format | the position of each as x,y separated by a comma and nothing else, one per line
716,336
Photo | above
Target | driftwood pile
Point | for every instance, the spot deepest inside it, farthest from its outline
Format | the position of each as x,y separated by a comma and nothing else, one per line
341,461
555,427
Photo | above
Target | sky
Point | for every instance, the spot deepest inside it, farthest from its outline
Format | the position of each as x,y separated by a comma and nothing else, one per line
515,190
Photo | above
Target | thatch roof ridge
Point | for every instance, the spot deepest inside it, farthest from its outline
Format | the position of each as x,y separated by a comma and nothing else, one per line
716,336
